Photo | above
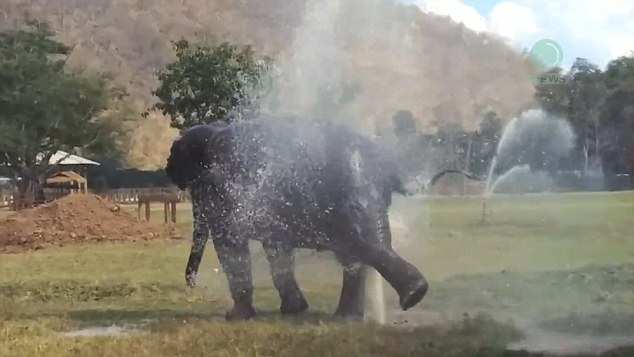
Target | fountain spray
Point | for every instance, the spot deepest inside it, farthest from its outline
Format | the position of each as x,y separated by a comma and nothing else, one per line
487,189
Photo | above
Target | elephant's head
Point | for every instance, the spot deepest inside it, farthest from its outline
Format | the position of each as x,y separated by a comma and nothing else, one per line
201,153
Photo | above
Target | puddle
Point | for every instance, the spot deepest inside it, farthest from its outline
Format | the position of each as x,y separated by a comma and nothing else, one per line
538,340
107,331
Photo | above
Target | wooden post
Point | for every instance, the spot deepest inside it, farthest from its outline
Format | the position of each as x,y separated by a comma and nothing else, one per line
147,211
86,177
165,212
173,212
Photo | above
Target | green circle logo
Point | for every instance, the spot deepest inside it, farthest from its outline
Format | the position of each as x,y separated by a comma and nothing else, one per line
546,54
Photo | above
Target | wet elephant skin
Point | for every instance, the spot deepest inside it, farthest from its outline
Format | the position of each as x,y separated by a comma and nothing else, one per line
291,183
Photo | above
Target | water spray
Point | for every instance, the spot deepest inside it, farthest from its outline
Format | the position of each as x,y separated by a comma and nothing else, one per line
487,189
376,295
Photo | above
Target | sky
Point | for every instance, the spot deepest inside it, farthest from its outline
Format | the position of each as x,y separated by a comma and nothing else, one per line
598,30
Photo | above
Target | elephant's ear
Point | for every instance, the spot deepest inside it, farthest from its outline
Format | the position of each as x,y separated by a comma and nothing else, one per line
180,166
218,145
217,154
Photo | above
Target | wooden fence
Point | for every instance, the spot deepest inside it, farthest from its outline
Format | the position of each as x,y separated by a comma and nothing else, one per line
6,198
131,195
119,196
11,200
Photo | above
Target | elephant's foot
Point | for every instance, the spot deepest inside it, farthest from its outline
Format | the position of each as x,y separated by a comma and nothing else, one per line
410,285
414,295
355,313
293,304
351,308
240,313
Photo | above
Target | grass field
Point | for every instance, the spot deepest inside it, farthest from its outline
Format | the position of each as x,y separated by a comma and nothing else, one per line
552,270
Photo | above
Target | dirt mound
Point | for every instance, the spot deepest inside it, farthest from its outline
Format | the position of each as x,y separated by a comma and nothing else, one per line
75,218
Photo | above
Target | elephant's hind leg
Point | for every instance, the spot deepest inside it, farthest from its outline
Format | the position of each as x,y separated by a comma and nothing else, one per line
282,262
235,258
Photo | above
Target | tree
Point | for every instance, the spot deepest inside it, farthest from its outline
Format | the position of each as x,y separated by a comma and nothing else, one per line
553,96
46,107
209,84
404,123
405,144
616,119
453,143
484,143
578,98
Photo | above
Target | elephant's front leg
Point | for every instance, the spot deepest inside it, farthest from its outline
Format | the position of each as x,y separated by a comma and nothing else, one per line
404,277
282,262
234,255
352,298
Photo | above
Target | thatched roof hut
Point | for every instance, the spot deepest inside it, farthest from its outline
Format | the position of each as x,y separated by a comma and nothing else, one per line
68,178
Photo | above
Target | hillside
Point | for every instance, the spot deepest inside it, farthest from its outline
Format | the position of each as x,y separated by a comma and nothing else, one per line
393,56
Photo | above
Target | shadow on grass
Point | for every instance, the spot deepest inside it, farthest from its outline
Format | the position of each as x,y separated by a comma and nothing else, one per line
481,335
130,315
620,352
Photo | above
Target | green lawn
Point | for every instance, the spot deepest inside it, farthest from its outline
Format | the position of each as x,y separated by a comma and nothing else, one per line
558,263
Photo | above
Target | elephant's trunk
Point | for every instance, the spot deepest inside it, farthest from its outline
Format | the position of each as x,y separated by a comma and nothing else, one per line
200,235
195,256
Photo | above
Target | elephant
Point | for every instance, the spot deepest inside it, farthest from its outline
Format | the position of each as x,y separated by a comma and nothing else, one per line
291,183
